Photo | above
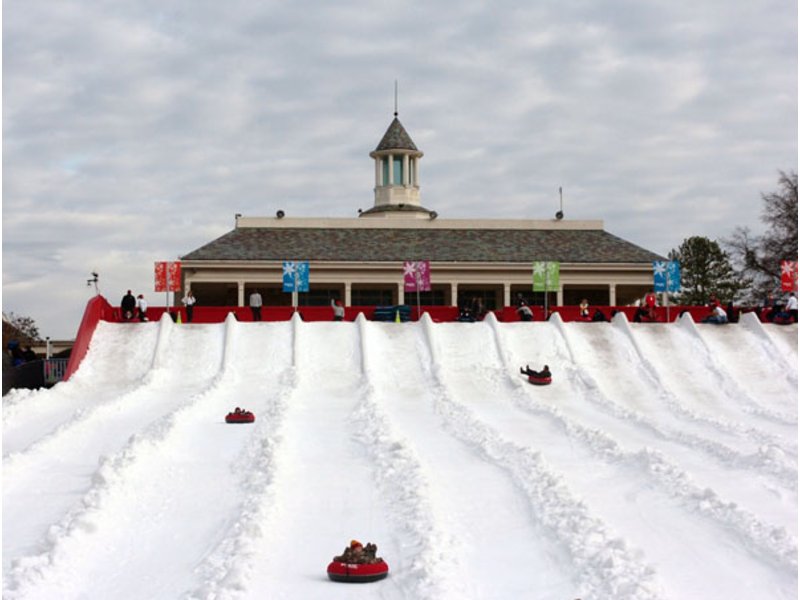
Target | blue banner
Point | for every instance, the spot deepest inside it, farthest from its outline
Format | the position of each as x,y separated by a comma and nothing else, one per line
666,276
295,276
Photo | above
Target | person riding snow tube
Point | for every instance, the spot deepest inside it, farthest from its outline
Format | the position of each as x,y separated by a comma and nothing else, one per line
358,564
240,416
543,377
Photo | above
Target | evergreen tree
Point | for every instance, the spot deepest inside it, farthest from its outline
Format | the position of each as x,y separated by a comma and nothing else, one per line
705,271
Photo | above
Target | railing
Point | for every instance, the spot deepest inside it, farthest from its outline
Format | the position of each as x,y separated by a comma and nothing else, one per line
54,370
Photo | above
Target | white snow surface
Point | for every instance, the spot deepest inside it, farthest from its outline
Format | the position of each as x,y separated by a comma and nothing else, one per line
660,463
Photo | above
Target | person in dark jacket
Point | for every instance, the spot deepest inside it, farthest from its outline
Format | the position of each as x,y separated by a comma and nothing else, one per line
128,306
545,372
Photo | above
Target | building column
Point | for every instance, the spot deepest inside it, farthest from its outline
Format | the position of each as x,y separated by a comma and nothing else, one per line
348,293
506,294
401,295
415,183
454,294
378,171
405,170
560,296
240,285
390,158
612,294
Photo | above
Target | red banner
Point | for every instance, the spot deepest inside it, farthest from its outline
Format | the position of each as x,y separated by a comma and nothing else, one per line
788,275
168,276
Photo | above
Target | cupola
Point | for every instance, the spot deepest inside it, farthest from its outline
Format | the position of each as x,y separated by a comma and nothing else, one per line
397,176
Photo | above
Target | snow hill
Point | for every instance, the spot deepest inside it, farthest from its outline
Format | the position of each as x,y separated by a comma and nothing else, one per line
661,462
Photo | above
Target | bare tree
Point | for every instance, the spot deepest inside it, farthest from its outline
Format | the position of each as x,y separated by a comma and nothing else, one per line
757,259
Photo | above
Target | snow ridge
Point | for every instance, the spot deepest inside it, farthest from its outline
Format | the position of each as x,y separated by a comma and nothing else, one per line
399,475
607,568
762,540
769,457
677,406
225,571
109,485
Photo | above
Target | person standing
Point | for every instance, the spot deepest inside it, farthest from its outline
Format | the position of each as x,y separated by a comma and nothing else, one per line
128,306
255,305
791,306
338,310
584,309
141,304
189,302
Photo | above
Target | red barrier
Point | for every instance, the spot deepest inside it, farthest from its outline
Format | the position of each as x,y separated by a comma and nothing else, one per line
97,309
439,314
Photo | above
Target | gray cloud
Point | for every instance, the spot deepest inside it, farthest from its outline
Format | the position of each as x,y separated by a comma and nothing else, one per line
133,132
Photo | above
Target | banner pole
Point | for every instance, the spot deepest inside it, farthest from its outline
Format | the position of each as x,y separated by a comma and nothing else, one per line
546,277
166,290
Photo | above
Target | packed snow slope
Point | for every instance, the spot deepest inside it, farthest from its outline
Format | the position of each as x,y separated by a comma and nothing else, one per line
660,463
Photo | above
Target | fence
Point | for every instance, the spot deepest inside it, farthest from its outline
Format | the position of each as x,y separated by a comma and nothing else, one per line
34,374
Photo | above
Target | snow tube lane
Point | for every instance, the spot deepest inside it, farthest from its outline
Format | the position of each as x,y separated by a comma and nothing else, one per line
59,478
770,384
30,415
606,367
593,466
323,486
469,382
434,477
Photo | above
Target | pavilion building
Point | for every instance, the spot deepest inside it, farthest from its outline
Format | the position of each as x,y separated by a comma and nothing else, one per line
360,260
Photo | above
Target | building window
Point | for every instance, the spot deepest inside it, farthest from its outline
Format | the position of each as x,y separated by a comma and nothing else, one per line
433,298
371,297
398,170
385,169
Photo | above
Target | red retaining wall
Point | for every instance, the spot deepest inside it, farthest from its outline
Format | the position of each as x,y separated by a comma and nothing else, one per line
97,309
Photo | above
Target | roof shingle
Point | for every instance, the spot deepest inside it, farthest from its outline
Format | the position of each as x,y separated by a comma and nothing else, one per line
438,245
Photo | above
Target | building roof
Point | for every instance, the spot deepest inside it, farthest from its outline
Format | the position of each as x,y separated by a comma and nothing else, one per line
396,138
438,245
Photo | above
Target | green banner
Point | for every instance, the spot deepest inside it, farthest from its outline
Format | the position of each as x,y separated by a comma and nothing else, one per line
545,276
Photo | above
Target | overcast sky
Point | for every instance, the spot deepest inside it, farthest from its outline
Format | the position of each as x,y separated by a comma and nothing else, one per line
134,131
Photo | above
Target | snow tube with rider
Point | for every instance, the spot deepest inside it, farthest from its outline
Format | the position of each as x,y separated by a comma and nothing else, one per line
537,380
357,572
240,416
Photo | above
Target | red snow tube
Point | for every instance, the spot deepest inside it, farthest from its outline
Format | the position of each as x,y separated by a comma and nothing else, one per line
357,573
539,380
242,417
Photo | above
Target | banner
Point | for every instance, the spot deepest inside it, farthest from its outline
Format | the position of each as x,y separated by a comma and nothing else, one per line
666,276
295,276
417,276
168,276
546,276
789,275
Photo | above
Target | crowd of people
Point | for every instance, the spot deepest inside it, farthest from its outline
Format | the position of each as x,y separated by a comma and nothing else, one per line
19,355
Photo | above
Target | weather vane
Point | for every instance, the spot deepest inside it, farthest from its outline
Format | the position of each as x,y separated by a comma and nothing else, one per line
93,280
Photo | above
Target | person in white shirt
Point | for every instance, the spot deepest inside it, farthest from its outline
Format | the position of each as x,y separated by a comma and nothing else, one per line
189,302
141,304
718,316
255,305
791,306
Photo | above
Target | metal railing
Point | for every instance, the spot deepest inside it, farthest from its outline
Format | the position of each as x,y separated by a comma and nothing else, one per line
35,374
